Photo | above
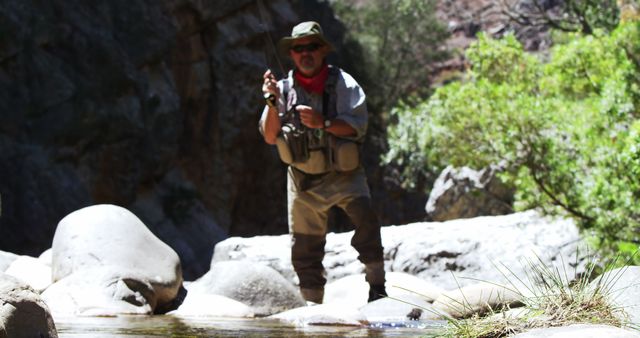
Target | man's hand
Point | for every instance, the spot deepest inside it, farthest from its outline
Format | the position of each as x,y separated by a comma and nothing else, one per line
310,117
270,85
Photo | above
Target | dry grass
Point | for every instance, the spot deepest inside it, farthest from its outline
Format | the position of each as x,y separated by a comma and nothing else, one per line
552,299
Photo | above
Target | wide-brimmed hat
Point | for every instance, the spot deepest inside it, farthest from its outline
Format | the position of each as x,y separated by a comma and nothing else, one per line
302,30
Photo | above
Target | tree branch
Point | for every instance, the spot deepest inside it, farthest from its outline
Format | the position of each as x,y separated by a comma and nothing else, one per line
556,201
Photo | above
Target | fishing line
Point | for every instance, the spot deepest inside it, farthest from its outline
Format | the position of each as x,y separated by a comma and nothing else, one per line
263,23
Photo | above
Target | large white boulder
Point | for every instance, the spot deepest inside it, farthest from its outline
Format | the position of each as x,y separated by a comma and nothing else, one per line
111,236
260,287
101,291
22,311
445,254
490,248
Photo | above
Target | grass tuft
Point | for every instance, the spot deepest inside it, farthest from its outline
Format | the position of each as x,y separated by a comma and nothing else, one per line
551,298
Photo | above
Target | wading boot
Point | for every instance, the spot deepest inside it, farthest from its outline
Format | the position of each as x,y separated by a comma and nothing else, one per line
374,275
376,292
313,296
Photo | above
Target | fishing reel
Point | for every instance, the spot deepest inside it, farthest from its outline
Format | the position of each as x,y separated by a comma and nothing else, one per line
270,100
295,134
293,123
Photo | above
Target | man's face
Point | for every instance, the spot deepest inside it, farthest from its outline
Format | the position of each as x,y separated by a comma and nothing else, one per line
308,55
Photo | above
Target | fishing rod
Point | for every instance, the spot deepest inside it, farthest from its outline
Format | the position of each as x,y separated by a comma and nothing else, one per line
296,127
270,98
269,41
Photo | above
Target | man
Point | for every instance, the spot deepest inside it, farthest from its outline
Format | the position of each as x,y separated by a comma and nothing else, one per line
317,117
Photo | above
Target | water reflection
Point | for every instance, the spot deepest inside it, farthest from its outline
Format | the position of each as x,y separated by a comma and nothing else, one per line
170,326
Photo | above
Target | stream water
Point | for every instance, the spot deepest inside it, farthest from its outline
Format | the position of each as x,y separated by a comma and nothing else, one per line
170,326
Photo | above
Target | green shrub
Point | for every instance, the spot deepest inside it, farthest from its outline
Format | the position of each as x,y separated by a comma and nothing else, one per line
399,39
564,125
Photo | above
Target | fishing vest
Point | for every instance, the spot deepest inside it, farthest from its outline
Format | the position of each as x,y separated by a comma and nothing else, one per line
314,151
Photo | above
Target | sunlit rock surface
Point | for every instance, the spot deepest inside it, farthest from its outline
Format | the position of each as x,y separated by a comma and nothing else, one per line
464,193
46,257
580,331
404,308
322,314
113,240
477,298
6,258
22,311
260,287
101,291
354,290
622,288
274,251
444,254
206,305
31,271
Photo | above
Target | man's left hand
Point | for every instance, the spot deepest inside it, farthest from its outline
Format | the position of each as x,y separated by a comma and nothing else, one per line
310,117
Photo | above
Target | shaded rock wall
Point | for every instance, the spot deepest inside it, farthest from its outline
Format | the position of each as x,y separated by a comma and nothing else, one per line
153,105
150,105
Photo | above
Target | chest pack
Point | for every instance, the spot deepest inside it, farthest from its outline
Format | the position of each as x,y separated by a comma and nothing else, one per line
314,151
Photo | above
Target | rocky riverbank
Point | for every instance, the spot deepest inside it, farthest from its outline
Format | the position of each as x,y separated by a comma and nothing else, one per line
105,262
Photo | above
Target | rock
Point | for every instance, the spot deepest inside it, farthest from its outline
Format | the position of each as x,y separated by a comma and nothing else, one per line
272,251
193,239
159,101
31,271
465,193
443,254
6,258
46,257
467,17
263,289
400,309
205,305
119,97
621,288
476,299
491,248
579,331
101,291
322,314
354,290
22,311
27,228
519,313
112,237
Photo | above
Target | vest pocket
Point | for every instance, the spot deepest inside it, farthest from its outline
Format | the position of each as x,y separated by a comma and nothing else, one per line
346,155
316,164
283,150
292,147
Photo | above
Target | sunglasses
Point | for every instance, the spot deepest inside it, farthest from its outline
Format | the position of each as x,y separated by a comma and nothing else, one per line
310,47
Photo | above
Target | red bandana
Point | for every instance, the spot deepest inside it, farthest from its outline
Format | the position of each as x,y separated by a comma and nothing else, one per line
314,84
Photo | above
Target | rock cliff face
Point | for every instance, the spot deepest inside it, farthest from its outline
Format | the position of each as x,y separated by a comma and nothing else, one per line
150,105
153,105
